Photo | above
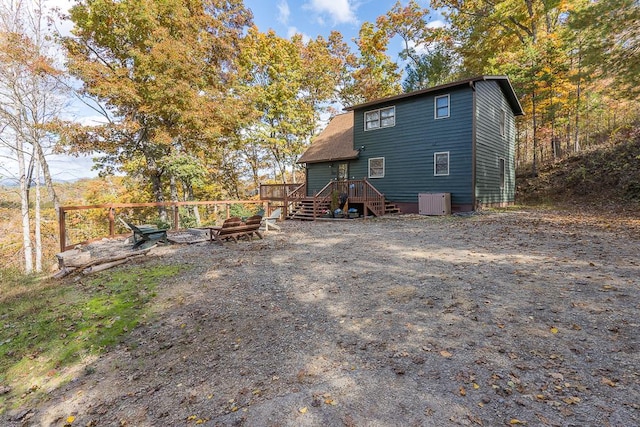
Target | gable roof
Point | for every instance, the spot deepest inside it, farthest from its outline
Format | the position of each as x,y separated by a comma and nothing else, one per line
334,143
503,82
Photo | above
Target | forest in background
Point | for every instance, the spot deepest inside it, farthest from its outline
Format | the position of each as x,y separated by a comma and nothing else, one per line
199,104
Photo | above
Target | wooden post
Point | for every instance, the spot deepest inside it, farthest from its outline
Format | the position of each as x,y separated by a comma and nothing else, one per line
61,228
176,217
112,222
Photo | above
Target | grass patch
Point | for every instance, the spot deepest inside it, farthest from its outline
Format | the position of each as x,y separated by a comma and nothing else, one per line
52,329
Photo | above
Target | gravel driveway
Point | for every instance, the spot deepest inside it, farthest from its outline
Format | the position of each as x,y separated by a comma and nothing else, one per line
493,319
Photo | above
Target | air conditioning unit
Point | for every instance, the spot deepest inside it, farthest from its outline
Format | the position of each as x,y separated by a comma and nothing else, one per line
434,203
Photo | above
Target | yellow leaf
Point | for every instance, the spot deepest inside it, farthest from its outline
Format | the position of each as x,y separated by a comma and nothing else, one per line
476,386
234,408
70,419
303,410
571,400
445,353
554,330
515,421
191,417
200,421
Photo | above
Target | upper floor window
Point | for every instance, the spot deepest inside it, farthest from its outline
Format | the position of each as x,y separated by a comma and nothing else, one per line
381,118
502,171
503,123
441,163
441,106
376,167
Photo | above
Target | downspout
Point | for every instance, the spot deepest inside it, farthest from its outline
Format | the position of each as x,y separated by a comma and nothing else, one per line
473,147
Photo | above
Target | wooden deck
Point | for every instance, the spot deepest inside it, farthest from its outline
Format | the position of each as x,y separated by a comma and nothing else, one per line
296,204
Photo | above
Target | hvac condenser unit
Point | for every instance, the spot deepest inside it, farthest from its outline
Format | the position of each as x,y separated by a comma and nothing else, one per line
434,203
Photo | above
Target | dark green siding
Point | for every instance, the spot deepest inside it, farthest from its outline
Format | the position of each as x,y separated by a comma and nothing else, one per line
409,146
490,145
318,175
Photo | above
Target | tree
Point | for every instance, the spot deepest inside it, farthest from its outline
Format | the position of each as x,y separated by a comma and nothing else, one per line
31,98
160,73
289,83
612,46
436,67
375,75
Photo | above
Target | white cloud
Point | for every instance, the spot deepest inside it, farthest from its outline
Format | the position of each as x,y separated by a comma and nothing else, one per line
283,12
438,23
292,31
340,11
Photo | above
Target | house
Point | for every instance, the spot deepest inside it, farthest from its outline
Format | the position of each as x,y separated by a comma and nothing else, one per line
456,138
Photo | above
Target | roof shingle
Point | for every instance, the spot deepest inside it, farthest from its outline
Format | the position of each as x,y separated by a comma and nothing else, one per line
335,142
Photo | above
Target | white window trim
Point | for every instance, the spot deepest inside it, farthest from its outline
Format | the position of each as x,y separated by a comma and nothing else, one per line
435,107
435,155
383,167
503,181
379,110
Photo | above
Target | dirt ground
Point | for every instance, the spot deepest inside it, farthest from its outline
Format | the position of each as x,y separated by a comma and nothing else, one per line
492,319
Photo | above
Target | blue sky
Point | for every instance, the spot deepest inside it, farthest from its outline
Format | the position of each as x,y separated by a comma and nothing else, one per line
319,17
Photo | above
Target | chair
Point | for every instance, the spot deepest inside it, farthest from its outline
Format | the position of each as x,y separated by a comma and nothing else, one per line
234,228
145,236
270,221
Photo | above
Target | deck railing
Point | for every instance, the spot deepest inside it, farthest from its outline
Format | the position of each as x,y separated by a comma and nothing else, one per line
356,190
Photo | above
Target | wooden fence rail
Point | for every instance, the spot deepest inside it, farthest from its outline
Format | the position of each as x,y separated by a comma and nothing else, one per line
110,214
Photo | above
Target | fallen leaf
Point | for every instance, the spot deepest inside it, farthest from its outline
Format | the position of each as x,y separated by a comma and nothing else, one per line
515,421
463,392
554,330
475,386
191,417
571,400
303,410
608,382
445,353
70,419
557,376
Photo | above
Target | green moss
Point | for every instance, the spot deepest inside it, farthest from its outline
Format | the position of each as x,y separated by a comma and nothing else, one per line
49,326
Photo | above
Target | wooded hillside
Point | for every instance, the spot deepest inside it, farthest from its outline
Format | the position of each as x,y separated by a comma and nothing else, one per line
604,176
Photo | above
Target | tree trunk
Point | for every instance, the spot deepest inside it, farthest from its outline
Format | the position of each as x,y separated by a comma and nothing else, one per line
534,167
47,180
37,216
156,185
576,142
24,208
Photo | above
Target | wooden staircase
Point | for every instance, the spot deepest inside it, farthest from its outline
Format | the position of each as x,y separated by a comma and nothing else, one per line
391,208
303,210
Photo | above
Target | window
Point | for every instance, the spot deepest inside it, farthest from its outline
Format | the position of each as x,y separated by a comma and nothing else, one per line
376,167
441,164
441,107
343,171
382,118
503,123
501,169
